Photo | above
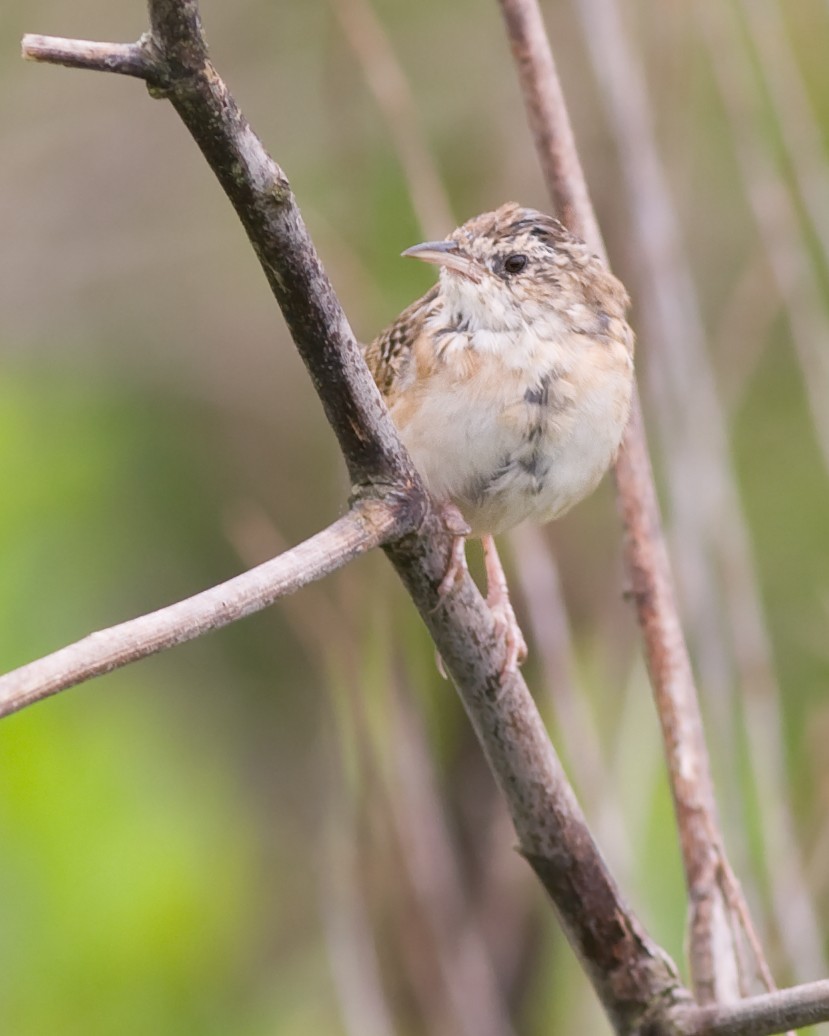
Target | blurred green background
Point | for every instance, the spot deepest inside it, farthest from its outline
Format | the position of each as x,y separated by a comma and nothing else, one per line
286,827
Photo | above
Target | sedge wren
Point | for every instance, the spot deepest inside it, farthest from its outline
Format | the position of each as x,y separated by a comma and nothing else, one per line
509,381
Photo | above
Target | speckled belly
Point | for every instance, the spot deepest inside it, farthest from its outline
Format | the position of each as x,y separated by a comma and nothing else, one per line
503,462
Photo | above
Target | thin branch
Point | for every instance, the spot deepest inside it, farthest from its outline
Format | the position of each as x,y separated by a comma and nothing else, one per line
127,59
707,513
554,140
541,585
761,1015
353,954
262,197
647,558
368,524
795,116
632,976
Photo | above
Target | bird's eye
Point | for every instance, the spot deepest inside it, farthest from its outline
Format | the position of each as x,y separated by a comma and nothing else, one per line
515,263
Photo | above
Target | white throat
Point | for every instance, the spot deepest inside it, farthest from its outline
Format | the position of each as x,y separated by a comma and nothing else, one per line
488,320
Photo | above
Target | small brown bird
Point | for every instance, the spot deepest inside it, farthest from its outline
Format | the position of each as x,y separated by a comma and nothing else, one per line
510,381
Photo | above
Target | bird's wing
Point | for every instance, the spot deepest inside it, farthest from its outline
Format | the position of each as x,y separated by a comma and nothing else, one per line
390,355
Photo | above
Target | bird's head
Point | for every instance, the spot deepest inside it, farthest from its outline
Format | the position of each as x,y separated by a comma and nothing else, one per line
504,270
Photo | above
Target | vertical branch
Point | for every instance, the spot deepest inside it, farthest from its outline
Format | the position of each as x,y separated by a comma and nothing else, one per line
553,136
712,951
711,532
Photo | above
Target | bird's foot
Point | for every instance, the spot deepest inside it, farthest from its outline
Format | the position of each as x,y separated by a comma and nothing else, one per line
497,597
506,625
459,530
456,568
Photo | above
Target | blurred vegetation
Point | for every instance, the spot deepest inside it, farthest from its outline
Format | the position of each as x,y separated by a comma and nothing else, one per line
200,843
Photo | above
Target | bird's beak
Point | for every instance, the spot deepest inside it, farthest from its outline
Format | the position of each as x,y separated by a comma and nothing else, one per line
448,254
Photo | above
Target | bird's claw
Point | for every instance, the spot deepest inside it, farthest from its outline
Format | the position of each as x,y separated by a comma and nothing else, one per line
506,626
456,568
500,606
497,597
457,527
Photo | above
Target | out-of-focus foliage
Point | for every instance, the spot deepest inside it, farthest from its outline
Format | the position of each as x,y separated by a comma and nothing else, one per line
202,842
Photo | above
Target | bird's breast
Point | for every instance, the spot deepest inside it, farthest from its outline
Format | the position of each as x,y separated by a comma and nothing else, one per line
509,441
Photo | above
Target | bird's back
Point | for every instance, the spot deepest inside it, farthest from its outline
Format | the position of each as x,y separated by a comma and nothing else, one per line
389,356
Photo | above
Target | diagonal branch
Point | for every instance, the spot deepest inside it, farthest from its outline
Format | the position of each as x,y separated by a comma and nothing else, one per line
180,70
370,523
630,973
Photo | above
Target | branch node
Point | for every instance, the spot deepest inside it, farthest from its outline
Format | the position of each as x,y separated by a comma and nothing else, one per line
409,501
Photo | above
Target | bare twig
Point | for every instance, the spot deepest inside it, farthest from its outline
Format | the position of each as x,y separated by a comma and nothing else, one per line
786,243
128,59
647,558
672,679
761,1015
554,140
774,64
352,952
541,586
794,113
710,524
742,330
369,524
461,955
631,975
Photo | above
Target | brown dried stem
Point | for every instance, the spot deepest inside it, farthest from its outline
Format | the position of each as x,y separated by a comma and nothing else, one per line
801,133
647,558
474,996
710,526
178,68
